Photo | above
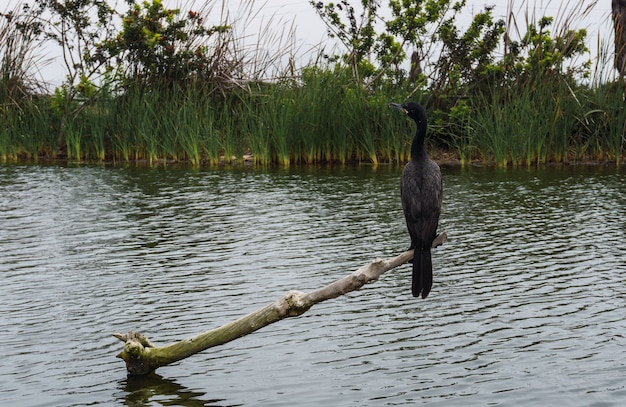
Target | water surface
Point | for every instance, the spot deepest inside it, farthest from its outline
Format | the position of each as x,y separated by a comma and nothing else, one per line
527,307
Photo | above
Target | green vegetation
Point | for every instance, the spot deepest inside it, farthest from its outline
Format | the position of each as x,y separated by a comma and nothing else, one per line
159,85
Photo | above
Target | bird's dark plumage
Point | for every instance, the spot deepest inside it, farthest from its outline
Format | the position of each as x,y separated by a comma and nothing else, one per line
421,193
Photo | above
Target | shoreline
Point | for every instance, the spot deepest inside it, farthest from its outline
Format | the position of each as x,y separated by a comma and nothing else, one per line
442,158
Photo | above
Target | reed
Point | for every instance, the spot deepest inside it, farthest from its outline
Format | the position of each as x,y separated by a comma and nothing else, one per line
605,117
319,114
366,132
186,125
602,129
255,129
455,131
20,59
28,131
529,118
342,141
492,129
148,119
24,128
95,120
277,119
285,125
616,132
524,126
244,114
9,146
230,142
73,141
164,131
122,133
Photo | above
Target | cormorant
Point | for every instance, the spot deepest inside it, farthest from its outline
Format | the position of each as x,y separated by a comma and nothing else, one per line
421,194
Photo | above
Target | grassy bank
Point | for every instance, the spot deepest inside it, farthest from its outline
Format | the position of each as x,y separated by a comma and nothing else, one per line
542,123
283,124
183,99
318,121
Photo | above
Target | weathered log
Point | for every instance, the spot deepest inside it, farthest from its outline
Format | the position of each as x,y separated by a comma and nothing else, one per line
143,357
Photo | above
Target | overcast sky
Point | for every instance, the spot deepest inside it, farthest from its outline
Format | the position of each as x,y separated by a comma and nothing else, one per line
311,32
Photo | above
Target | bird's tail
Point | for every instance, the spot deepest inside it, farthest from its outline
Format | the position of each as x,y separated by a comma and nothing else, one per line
422,272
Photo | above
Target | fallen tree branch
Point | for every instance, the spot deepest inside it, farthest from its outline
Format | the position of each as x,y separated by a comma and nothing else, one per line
143,357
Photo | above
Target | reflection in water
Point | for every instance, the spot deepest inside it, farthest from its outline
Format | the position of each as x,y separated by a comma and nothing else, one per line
526,308
147,390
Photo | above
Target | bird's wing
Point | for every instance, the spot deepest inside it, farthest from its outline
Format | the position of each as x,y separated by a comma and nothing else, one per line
410,193
421,192
434,186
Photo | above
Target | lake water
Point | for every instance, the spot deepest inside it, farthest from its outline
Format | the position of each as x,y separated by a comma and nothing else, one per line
528,305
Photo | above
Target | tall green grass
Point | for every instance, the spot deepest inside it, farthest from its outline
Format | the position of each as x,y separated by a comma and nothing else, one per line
534,124
300,124
602,129
515,127
317,114
25,124
28,131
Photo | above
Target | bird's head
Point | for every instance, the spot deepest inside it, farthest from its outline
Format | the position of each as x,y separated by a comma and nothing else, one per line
413,110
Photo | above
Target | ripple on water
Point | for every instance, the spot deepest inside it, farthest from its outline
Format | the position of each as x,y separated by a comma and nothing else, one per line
526,308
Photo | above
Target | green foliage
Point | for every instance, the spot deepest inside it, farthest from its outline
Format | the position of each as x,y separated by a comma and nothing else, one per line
467,62
77,26
601,130
19,41
539,52
464,58
160,46
456,130
158,87
355,31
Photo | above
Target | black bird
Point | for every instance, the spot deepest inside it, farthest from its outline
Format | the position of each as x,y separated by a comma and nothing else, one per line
421,193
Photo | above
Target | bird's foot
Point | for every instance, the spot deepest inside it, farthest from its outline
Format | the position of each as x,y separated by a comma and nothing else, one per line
439,239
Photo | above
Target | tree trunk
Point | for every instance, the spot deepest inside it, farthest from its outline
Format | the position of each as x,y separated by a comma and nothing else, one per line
619,24
143,357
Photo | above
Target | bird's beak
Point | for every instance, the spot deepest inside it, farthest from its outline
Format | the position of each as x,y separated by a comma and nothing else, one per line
399,107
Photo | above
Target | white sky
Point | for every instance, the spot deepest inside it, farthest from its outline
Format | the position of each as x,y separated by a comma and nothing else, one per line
310,31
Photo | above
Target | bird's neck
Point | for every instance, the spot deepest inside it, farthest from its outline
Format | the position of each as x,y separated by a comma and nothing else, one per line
417,146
